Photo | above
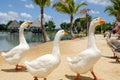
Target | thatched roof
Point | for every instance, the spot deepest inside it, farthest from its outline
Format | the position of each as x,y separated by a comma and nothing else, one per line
14,25
36,23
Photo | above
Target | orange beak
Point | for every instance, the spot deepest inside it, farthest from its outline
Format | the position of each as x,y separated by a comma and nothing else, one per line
102,20
65,33
28,23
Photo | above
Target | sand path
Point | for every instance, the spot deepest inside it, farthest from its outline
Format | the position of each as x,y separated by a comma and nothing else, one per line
106,68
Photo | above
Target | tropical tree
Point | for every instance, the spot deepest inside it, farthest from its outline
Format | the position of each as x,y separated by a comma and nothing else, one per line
50,25
42,4
104,27
80,23
21,22
87,17
64,25
9,22
114,9
3,27
68,7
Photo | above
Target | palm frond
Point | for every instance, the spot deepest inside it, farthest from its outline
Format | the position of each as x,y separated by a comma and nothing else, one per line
68,6
42,3
111,11
79,5
61,7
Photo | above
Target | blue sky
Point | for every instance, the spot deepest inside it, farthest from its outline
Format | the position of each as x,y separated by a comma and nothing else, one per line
27,10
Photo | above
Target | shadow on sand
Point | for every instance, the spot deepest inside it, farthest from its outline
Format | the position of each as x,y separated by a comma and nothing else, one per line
114,62
13,70
71,77
110,57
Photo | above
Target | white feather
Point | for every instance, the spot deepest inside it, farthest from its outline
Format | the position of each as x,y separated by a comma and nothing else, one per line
84,61
44,65
14,55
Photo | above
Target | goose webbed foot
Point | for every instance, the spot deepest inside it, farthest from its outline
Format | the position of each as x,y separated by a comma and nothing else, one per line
19,67
98,79
77,77
117,59
95,78
35,78
45,78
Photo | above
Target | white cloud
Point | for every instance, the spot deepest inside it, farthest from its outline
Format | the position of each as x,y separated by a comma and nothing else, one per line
10,5
29,6
67,21
94,12
12,15
99,2
5,17
47,17
26,15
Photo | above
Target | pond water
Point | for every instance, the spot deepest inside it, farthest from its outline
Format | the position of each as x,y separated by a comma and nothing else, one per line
8,41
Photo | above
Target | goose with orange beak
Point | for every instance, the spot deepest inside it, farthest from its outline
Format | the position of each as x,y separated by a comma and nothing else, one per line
14,55
85,60
42,66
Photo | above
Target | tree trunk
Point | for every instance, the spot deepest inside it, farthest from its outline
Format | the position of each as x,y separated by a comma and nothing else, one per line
87,24
71,27
118,20
45,36
118,16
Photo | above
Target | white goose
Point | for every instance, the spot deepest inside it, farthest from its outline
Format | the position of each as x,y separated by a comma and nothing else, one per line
85,60
16,54
44,65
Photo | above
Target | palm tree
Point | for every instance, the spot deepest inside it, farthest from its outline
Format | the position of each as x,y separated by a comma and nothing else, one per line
114,9
50,25
42,4
87,16
68,7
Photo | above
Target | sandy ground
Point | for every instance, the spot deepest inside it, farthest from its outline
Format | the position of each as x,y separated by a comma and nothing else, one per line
106,68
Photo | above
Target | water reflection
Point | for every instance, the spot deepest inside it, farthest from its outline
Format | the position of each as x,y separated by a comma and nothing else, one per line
8,41
12,39
31,38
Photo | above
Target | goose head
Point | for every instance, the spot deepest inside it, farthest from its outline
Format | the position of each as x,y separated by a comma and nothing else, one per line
25,24
59,34
98,21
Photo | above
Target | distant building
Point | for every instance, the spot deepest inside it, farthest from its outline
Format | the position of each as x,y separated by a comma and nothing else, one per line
14,26
36,26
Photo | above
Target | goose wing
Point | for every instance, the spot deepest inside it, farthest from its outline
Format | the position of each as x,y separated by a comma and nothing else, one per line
42,62
78,57
16,50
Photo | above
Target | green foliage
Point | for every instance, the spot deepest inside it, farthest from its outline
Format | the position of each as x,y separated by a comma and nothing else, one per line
50,25
68,6
21,22
103,27
65,26
42,3
114,9
3,27
81,23
9,22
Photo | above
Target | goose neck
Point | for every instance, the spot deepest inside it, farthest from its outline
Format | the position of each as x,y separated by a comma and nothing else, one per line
21,36
91,37
56,51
